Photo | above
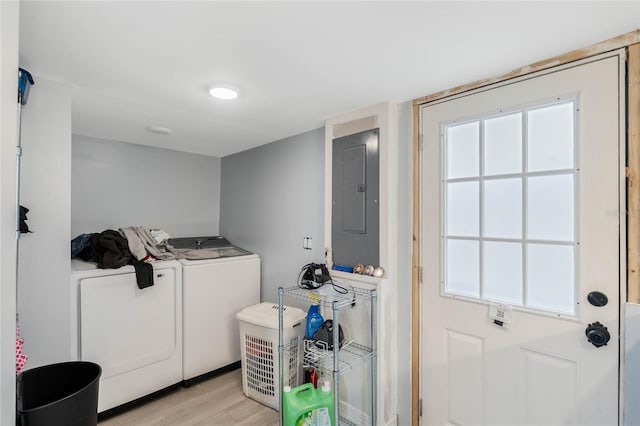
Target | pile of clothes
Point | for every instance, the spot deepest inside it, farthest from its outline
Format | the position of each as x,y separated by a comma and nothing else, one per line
133,245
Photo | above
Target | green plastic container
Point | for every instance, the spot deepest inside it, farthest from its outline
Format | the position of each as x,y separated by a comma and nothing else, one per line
307,406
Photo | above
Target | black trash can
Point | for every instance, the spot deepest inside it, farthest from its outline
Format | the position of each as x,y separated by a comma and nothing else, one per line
63,394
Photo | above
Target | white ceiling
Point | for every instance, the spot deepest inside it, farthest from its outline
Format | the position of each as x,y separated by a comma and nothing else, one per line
138,64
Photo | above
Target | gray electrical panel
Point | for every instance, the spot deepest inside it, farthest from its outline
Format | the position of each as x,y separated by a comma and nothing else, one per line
355,216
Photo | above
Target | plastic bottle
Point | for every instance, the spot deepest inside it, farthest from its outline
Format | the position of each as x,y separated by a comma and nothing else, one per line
314,320
325,414
311,376
305,405
285,403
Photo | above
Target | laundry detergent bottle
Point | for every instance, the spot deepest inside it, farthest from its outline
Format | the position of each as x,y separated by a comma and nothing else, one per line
314,321
307,406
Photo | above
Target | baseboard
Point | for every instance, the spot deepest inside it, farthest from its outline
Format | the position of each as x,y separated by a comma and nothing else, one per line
393,421
356,417
211,374
111,412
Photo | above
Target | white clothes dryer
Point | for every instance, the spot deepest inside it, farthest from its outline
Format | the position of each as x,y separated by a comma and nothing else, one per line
134,334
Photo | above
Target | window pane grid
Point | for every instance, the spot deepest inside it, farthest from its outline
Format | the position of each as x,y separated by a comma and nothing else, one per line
525,205
483,240
481,160
513,240
513,175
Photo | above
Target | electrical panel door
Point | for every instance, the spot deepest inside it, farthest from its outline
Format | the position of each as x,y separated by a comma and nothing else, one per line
355,222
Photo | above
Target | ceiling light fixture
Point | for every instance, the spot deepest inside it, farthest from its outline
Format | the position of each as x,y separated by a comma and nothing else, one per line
226,93
158,130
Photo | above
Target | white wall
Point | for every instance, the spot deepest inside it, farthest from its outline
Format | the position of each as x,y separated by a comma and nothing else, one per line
405,232
8,139
385,117
117,184
45,188
631,316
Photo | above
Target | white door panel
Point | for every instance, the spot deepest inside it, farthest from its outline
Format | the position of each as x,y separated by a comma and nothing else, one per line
539,369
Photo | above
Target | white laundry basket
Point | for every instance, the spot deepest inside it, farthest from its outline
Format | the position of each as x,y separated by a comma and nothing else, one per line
259,350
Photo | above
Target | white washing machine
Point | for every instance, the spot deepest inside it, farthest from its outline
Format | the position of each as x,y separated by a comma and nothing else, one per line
134,335
214,291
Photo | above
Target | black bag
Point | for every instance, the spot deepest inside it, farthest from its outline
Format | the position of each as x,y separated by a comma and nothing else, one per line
323,337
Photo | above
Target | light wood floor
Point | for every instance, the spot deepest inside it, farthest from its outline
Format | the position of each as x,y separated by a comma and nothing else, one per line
215,402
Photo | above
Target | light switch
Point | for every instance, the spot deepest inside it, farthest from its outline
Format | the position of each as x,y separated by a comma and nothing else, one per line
306,243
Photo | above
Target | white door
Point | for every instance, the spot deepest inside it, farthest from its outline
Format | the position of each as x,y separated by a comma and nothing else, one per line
520,222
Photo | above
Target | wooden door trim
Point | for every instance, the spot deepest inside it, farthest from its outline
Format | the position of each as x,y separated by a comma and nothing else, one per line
415,273
621,41
633,173
631,41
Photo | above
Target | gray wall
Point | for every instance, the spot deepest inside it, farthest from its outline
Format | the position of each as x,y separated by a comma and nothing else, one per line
271,198
117,184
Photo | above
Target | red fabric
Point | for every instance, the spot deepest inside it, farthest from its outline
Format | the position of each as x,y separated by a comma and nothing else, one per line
21,358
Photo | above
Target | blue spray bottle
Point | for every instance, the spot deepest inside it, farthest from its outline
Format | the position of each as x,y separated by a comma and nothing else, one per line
314,320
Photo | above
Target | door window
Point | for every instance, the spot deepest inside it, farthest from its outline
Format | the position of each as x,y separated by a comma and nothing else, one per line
509,186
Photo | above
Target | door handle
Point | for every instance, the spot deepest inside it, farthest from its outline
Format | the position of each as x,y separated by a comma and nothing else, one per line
597,334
